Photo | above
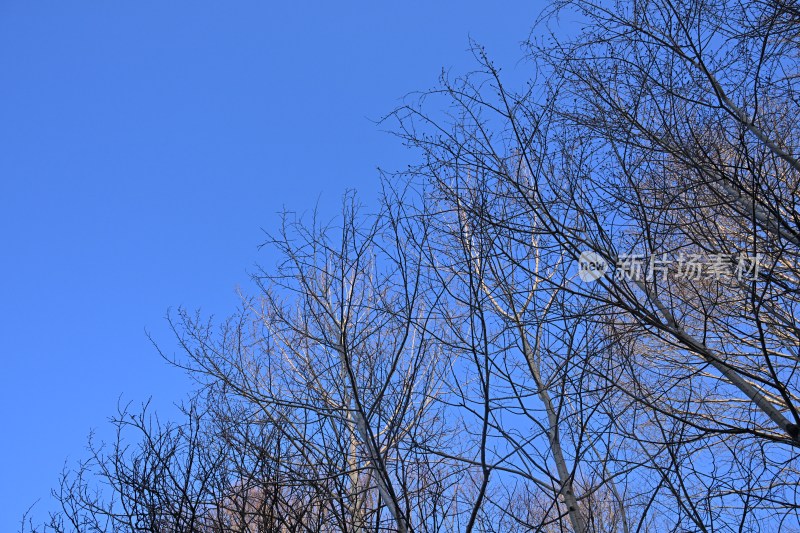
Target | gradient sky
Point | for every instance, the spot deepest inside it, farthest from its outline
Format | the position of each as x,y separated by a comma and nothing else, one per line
144,148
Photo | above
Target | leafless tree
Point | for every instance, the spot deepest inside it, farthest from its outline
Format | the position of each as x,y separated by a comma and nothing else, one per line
438,365
664,131
338,358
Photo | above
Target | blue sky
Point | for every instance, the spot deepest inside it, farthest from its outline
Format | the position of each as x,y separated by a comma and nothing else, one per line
144,147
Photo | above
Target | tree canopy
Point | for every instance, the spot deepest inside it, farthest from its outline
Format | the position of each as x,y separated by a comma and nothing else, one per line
436,361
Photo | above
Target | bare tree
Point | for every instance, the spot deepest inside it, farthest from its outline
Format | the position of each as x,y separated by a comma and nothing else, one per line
341,363
440,365
664,133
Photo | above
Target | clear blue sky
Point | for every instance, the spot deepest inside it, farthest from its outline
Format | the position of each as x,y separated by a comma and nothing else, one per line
143,147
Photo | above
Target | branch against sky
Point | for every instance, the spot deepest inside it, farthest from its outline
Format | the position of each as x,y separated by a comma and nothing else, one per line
441,365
